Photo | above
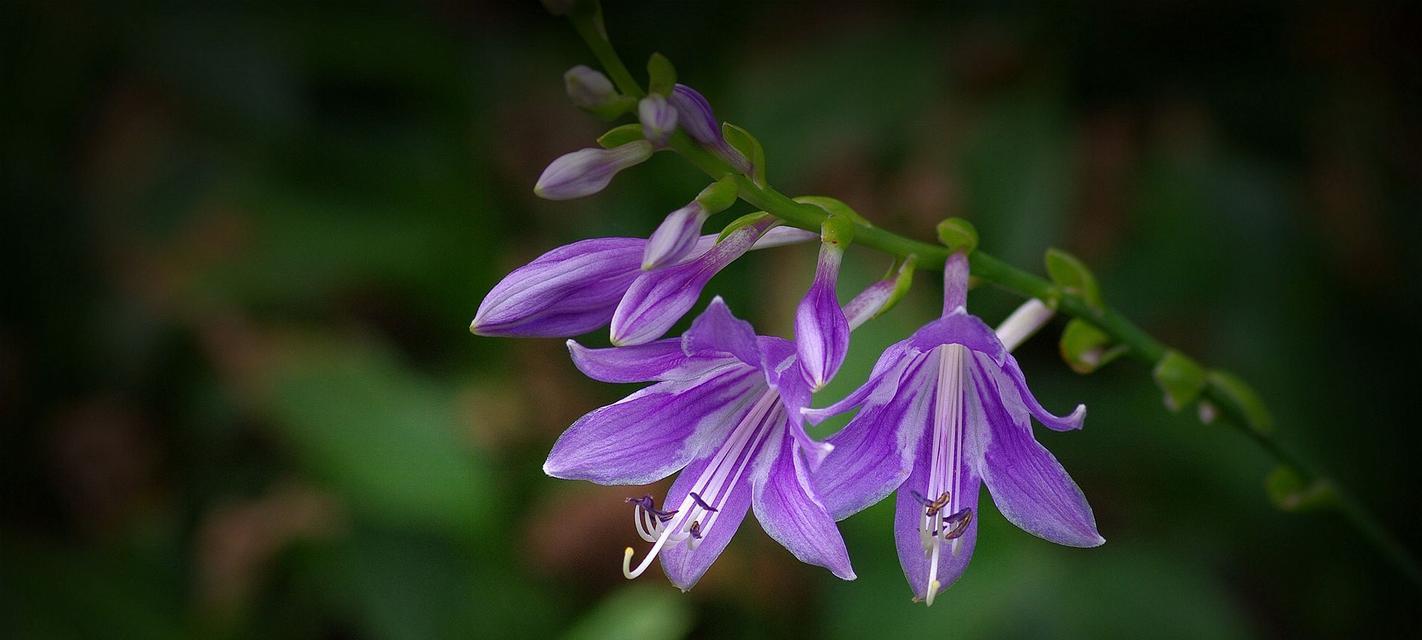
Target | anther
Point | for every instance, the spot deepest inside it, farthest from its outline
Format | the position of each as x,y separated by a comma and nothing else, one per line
701,502
957,524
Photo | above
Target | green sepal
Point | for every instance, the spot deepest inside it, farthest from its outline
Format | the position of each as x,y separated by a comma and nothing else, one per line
837,230
720,195
958,235
1289,492
1086,348
835,207
1228,385
661,75
1072,276
618,136
614,108
1181,378
749,147
743,221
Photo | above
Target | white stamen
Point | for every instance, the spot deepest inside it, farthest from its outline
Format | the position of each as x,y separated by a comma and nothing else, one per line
945,462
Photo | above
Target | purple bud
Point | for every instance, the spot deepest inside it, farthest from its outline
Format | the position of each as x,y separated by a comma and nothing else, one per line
675,237
588,171
568,291
699,122
657,299
821,329
588,89
868,303
658,119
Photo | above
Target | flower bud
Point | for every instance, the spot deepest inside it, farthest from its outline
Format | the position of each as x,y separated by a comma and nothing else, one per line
588,171
566,292
675,237
821,328
658,119
698,121
588,89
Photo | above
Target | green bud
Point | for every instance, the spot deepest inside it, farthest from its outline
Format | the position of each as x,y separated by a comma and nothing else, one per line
837,230
661,75
1072,276
1086,348
618,136
1256,415
835,207
1181,378
958,235
743,221
719,196
1289,492
749,147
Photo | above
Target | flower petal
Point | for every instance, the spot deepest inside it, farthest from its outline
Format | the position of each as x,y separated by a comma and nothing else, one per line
882,381
1018,393
952,559
782,372
875,452
789,511
660,361
657,299
568,291
959,328
718,331
1029,486
675,237
683,565
653,432
821,328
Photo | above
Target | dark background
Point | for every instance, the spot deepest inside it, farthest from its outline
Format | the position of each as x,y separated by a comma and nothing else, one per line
244,241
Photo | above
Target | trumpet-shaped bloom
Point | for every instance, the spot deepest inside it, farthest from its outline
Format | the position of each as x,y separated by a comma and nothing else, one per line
575,288
725,412
945,412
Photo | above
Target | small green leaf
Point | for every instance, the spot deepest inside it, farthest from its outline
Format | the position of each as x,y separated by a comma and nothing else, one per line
720,195
743,221
958,235
1073,277
836,207
618,136
1289,492
1086,348
1181,378
746,143
1256,415
661,75
614,108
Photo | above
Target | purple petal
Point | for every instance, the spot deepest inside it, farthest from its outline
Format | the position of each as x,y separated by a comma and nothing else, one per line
698,121
566,292
588,171
683,565
868,302
661,360
821,329
653,432
658,119
789,511
1029,486
657,299
890,363
955,283
675,237
1018,393
959,328
782,373
875,452
717,331
913,558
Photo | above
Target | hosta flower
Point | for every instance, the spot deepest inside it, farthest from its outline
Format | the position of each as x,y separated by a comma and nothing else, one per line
658,118
657,299
821,328
588,171
574,289
945,411
724,411
695,117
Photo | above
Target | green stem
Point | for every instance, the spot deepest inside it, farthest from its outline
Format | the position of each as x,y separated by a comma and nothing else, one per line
1140,345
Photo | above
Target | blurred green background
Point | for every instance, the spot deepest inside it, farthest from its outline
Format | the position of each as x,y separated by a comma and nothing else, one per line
244,241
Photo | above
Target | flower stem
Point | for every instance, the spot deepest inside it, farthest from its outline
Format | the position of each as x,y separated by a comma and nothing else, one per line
1139,344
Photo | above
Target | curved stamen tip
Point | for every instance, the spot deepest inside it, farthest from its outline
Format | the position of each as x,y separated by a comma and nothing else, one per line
627,564
933,587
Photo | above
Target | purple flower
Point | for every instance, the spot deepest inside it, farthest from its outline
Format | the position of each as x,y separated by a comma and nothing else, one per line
588,171
657,299
587,88
943,412
821,328
658,119
699,122
723,411
675,237
574,289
